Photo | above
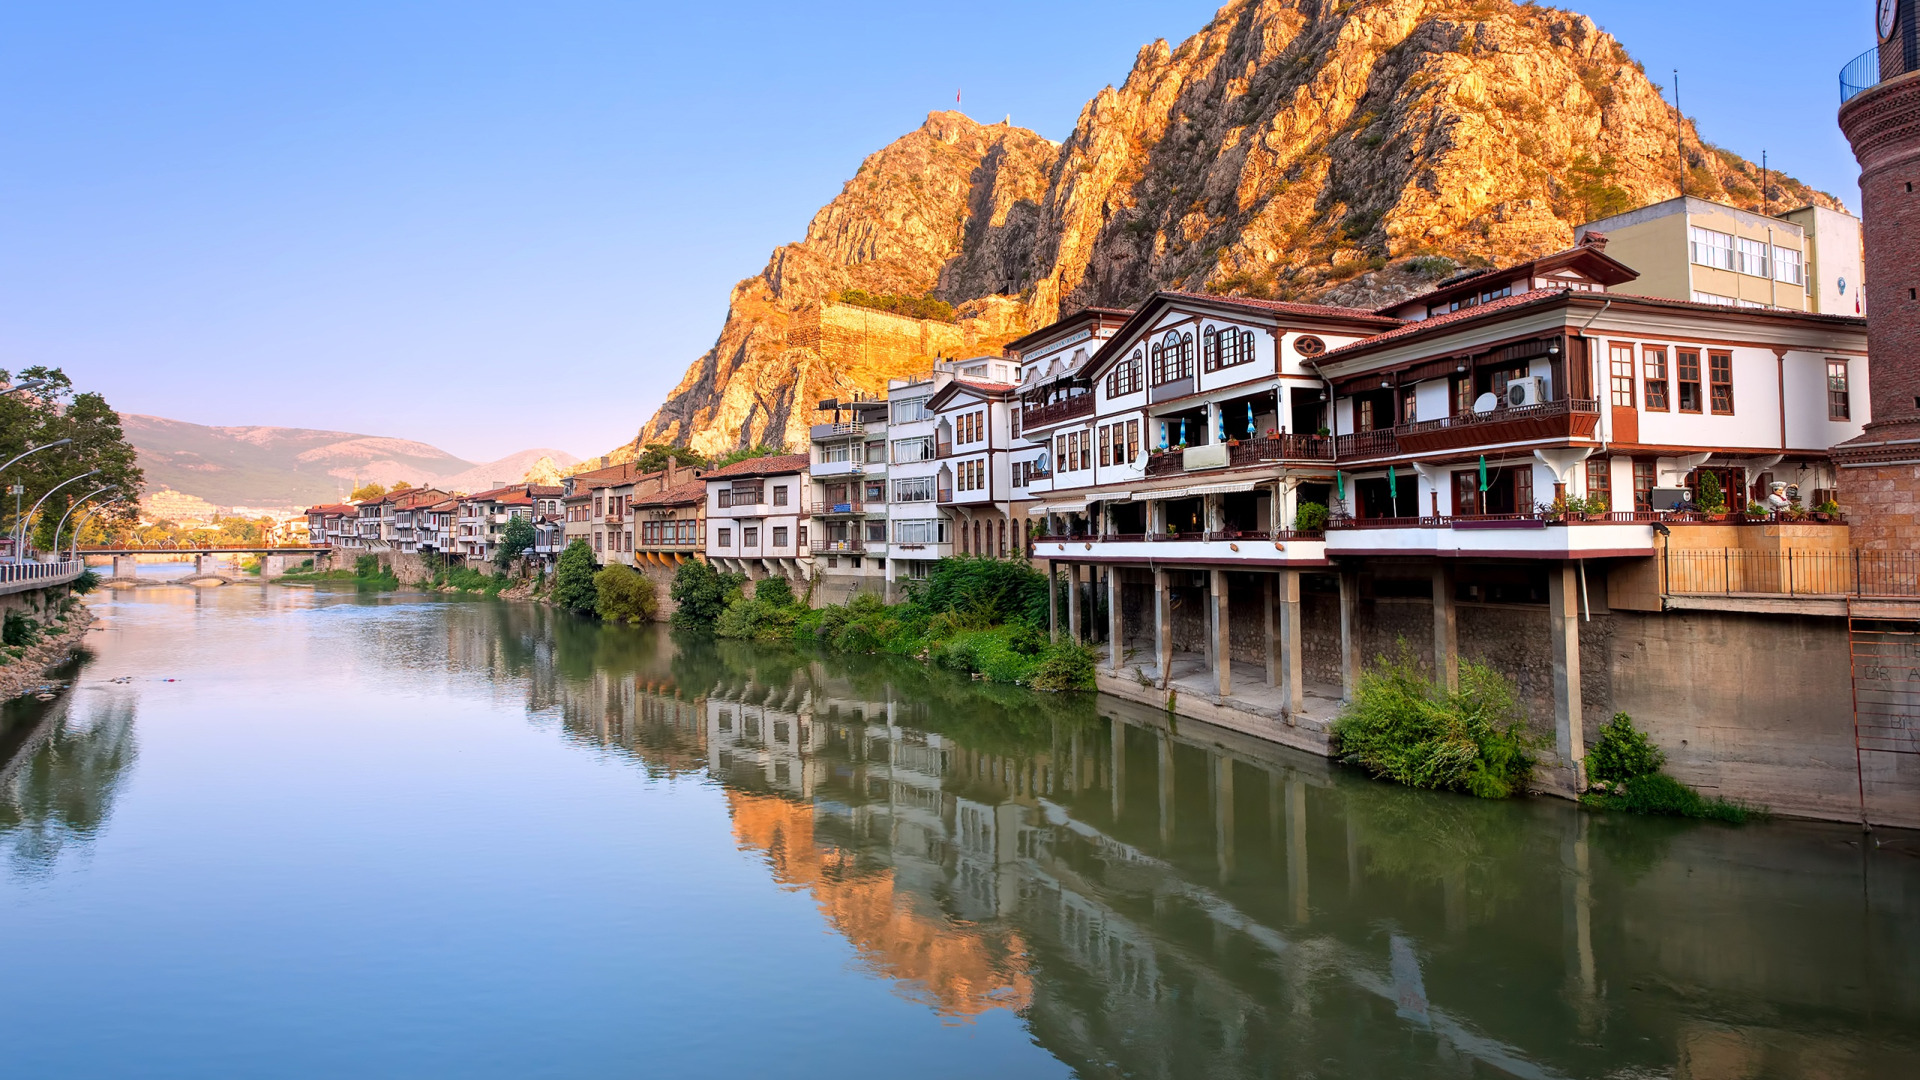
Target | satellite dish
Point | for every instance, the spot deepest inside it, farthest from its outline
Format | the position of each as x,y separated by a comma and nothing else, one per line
1486,403
1045,461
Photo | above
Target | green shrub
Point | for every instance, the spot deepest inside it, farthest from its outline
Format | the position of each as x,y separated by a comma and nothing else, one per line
1403,727
703,594
366,566
623,594
1065,666
86,582
1710,499
756,620
918,307
573,579
1310,517
1662,795
1622,753
19,630
777,591
983,589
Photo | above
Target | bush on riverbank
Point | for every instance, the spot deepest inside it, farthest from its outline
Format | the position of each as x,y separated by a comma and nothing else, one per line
1405,728
770,615
1624,767
623,594
366,571
573,579
703,594
467,579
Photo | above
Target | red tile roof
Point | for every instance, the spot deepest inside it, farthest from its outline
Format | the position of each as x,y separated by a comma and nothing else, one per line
1287,306
333,508
771,465
684,495
1437,321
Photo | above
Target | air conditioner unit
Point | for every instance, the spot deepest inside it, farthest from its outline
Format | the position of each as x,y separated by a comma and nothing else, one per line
1528,391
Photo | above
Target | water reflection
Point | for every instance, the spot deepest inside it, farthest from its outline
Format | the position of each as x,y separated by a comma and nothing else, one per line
65,765
1158,899
1162,900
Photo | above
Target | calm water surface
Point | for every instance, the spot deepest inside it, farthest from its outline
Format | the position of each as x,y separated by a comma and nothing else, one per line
286,832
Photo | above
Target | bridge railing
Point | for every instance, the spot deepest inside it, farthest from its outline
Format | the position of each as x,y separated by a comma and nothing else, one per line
35,571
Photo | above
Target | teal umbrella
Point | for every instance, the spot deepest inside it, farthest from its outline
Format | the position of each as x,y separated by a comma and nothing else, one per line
1339,484
1483,472
1393,484
1249,419
1183,431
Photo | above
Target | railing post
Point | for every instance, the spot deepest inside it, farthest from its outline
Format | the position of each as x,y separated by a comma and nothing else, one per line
1726,571
1856,571
1789,571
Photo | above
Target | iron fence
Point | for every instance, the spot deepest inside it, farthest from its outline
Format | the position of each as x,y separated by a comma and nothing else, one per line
1727,571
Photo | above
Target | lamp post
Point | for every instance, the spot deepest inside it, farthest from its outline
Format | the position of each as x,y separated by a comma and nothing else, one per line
25,388
32,449
69,513
20,527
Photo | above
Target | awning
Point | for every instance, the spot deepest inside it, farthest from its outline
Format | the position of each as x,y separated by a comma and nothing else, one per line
1061,508
1224,489
1163,493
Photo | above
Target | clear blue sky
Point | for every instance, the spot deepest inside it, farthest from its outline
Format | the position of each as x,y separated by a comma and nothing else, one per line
494,226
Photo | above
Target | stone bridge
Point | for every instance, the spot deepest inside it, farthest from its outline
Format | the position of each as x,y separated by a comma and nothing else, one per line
274,562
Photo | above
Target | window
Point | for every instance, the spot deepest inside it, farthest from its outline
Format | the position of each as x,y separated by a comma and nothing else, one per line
1839,400
779,536
1720,380
1173,358
1409,405
876,491
1753,258
1653,364
1125,377
835,452
1788,267
1073,450
1686,364
908,410
920,531
1133,439
1225,347
1600,482
599,538
1643,485
915,449
599,507
750,536
1106,446
1713,298
1086,450
803,536
1710,248
1620,364
1309,346
780,495
1061,462
918,489
877,532
1363,414
876,453
725,538
626,541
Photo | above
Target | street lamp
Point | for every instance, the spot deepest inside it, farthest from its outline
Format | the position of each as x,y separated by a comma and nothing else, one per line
76,527
34,449
20,527
24,388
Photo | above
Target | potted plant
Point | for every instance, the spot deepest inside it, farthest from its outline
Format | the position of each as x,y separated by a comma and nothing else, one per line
1310,517
1826,511
1756,512
1711,500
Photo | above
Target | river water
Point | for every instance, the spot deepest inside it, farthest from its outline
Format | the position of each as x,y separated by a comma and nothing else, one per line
291,832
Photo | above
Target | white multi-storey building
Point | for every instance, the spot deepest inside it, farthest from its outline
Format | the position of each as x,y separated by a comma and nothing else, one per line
848,481
922,480
758,520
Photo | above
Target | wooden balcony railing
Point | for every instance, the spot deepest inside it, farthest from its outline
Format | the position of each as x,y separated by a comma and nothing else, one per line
1365,444
1053,412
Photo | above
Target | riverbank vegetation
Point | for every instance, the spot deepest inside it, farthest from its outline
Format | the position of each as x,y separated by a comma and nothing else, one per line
1404,727
985,617
366,571
1625,770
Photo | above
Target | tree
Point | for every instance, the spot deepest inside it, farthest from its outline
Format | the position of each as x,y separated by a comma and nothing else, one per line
703,594
573,587
746,453
98,445
656,455
515,541
625,595
367,491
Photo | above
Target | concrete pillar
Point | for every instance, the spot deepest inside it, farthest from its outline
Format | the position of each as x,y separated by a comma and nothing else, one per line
1163,626
1073,602
1270,626
1563,632
1116,628
1349,633
199,564
1053,600
1293,675
1220,632
1446,628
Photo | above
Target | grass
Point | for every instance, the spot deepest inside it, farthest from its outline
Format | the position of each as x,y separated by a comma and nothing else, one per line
1403,727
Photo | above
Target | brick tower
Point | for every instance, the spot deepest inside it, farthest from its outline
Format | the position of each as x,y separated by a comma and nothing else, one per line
1880,470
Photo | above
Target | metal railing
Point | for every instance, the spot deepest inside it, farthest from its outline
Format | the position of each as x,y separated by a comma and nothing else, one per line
839,547
1731,572
36,571
1053,412
1875,66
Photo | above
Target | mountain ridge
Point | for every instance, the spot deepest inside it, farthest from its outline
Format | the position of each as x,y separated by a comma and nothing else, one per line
260,465
1291,149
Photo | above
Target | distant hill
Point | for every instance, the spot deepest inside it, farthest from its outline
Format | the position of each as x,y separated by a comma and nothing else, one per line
275,466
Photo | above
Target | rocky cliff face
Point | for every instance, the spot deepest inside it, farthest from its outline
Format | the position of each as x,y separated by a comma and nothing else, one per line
1296,149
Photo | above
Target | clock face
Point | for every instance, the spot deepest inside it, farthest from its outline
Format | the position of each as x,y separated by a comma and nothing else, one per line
1889,12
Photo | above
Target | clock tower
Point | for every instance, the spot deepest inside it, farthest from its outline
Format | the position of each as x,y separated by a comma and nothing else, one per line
1880,470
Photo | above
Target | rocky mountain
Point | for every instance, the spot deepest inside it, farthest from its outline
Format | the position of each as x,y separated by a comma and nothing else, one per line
275,466
1346,150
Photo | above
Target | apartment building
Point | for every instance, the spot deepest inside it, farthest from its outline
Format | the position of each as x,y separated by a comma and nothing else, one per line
1807,259
758,520
333,524
668,524
601,507
848,481
926,414
482,521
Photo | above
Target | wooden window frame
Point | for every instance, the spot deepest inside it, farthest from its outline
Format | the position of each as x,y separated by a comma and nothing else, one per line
1106,446
1643,493
1653,369
1620,372
1839,390
1133,440
1719,363
1683,361
1600,481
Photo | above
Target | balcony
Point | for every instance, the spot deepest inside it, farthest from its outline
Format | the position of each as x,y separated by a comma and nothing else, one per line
1366,444
945,496
839,547
1167,391
1873,67
1573,418
825,432
943,449
1536,535
1219,548
840,509
1054,412
729,499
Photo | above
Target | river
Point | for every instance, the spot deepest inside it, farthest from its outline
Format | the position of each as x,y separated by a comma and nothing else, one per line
275,831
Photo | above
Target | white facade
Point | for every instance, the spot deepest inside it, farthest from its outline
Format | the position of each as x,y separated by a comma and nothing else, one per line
758,519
